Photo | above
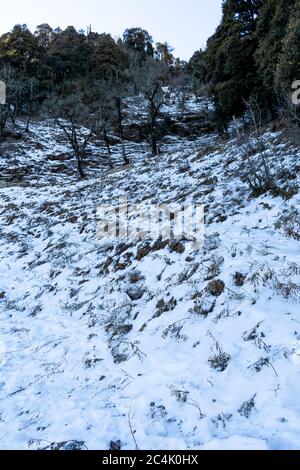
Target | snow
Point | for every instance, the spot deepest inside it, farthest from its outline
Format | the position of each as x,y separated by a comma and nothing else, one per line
69,370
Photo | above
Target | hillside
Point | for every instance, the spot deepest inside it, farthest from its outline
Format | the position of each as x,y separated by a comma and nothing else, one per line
158,345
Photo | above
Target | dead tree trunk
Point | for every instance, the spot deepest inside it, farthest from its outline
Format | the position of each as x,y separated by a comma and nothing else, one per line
102,131
121,131
4,115
106,140
71,130
154,107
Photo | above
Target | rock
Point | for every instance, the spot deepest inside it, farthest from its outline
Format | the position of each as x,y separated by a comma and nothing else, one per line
143,251
63,157
122,248
120,330
13,135
210,181
119,358
177,247
73,219
160,304
184,167
160,245
135,294
216,287
121,266
163,307
59,168
2,295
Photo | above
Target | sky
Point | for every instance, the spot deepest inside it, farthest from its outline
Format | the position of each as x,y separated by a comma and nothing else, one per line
185,24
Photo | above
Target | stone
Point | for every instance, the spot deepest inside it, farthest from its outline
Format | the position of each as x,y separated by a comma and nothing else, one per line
135,294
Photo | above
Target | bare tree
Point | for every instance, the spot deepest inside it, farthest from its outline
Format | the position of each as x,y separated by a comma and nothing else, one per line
257,122
105,111
181,87
6,110
119,102
255,167
75,120
117,83
30,100
151,79
155,99
290,116
4,115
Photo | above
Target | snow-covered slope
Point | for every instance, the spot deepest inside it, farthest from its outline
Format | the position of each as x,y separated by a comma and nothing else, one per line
193,363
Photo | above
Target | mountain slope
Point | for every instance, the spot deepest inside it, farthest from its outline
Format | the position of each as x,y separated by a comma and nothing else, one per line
192,363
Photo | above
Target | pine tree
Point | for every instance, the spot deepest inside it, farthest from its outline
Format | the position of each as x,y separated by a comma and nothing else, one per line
197,69
20,49
69,54
288,69
231,68
139,41
44,35
163,52
271,31
108,59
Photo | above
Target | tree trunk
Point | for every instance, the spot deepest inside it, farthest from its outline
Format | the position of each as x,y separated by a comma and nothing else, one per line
105,137
121,132
28,120
28,124
79,166
153,140
153,134
3,120
125,158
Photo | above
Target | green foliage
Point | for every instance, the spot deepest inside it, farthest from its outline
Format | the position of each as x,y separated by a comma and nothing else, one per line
19,49
139,41
230,64
288,69
108,60
58,61
254,52
163,52
68,55
197,67
271,32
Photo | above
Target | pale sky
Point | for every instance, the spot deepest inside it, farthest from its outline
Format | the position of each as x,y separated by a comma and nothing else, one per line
185,24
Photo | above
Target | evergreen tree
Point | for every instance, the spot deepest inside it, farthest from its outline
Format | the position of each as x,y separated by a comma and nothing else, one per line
139,41
288,69
231,68
69,54
197,70
163,52
108,59
44,35
19,49
271,31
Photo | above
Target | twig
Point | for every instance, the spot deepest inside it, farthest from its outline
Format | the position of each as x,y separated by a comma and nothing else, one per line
131,430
